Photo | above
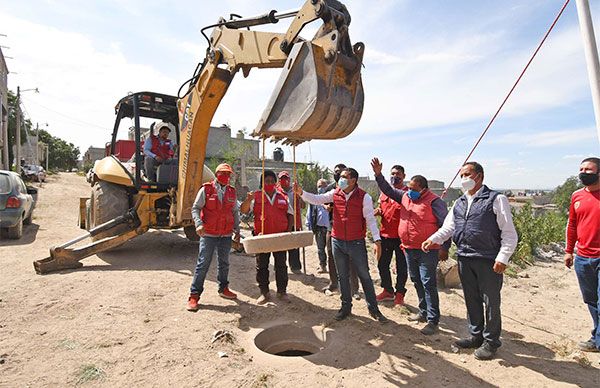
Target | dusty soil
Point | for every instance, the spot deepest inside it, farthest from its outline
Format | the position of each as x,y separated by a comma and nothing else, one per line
120,321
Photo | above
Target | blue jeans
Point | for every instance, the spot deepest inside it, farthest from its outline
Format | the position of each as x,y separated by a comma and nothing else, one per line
355,252
208,245
588,275
422,269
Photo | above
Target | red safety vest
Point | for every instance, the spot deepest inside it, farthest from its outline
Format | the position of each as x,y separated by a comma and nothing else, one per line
163,150
348,221
217,216
417,221
390,216
276,220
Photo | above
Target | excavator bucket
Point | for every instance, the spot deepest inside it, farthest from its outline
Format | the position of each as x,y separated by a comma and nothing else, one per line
318,96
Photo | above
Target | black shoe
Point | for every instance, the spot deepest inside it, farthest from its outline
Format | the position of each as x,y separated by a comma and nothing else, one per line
429,329
469,342
342,314
378,316
485,352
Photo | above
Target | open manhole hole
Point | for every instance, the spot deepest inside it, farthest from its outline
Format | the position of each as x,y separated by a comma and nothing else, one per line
292,341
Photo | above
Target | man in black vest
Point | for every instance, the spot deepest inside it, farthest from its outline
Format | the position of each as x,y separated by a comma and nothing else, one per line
482,228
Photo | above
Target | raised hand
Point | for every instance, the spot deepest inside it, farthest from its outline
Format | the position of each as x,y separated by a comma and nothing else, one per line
377,166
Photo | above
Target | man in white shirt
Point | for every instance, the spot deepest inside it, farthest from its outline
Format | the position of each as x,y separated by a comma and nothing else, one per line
352,213
480,224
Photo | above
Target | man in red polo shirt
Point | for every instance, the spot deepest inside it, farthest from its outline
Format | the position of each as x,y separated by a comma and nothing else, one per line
583,232
215,213
278,218
389,210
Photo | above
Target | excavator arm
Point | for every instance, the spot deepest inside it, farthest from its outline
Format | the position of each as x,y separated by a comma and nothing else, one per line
319,94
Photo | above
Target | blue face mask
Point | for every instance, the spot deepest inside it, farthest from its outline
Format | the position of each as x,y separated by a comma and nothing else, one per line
413,195
343,183
395,180
321,190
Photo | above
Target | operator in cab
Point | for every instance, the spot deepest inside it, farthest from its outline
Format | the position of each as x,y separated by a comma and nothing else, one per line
159,149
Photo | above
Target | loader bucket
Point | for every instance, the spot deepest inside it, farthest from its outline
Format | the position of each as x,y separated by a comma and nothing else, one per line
318,96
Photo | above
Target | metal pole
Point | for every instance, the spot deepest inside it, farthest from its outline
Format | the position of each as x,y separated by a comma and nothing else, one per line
591,55
37,144
47,147
4,126
18,133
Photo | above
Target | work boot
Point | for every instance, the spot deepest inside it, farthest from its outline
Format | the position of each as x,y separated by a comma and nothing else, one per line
342,314
356,295
485,352
385,295
588,346
297,271
417,317
192,304
227,294
322,269
263,298
469,343
378,316
283,296
399,299
429,329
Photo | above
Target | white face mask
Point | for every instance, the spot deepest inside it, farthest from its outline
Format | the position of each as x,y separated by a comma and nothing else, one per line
467,183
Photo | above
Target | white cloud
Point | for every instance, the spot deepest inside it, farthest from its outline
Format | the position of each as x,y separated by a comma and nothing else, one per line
547,138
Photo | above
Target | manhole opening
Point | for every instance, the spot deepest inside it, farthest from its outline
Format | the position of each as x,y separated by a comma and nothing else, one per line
291,340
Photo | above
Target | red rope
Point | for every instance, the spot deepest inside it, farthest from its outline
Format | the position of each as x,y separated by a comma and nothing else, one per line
509,94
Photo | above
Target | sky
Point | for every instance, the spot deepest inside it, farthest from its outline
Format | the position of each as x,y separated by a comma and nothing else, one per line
434,74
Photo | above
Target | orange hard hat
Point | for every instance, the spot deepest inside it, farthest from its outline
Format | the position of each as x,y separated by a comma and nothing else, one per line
224,167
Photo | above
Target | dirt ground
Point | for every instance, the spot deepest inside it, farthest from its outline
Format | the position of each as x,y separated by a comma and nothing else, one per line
121,321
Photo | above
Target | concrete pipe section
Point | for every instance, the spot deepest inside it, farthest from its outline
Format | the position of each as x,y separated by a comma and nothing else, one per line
292,340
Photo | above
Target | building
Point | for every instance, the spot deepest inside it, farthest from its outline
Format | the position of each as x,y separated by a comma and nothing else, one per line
4,163
92,154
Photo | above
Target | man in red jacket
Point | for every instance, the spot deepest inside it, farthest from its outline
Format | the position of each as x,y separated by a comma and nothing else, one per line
215,213
158,149
389,210
278,218
583,232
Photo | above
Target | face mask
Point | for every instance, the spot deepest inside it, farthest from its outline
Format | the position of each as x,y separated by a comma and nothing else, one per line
336,177
413,195
343,183
269,187
395,180
467,183
285,183
321,190
588,178
223,179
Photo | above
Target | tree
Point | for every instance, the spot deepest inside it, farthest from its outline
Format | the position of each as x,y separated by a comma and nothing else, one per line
62,155
12,125
309,174
561,196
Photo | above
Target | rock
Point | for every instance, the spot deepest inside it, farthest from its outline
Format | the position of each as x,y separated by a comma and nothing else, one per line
222,354
454,349
447,274
524,275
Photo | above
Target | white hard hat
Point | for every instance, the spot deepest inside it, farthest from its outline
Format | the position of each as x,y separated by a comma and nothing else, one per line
162,125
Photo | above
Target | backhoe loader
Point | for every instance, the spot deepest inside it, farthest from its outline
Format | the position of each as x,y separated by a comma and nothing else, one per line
319,95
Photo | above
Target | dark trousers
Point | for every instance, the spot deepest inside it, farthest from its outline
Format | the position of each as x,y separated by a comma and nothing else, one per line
262,271
333,273
345,253
320,233
294,259
389,247
481,287
422,268
588,276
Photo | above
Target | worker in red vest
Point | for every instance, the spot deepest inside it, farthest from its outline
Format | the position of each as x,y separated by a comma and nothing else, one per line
422,213
158,149
278,218
286,187
389,211
216,216
352,214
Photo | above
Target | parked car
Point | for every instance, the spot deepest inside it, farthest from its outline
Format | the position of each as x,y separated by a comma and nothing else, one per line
17,202
33,173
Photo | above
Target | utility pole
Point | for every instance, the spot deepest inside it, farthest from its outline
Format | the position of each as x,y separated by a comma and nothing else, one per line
37,144
18,133
591,55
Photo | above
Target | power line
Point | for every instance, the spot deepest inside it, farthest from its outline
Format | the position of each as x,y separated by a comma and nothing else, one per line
73,119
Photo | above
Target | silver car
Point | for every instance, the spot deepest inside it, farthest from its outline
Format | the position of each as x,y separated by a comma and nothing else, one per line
16,203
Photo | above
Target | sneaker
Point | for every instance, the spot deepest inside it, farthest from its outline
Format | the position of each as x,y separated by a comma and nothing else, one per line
378,316
356,296
322,269
429,329
263,298
416,318
469,343
342,314
588,346
485,352
297,271
283,296
399,299
192,304
385,295
227,294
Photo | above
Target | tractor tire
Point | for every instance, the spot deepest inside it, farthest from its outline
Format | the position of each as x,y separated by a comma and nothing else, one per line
16,232
190,233
108,201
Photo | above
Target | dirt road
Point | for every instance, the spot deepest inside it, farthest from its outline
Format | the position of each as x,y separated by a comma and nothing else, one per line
120,321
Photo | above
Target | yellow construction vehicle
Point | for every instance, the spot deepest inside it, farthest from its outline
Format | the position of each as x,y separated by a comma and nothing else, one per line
319,95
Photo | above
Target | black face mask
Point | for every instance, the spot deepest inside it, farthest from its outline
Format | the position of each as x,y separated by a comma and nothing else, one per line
336,177
588,178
